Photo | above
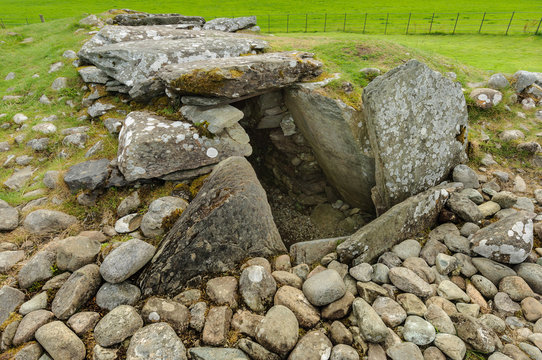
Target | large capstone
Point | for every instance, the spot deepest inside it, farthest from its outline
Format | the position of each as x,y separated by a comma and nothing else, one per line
508,241
228,221
141,18
151,146
417,124
401,222
135,63
337,134
240,76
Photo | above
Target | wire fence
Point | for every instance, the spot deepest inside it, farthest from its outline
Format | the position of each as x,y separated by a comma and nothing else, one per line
503,23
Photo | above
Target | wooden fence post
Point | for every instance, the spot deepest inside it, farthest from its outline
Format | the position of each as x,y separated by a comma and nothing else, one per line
27,21
2,23
408,24
510,23
431,25
42,18
325,22
287,22
364,23
455,25
536,32
344,25
482,23
386,27
269,24
306,21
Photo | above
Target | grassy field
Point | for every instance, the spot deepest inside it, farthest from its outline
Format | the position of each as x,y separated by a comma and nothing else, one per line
17,11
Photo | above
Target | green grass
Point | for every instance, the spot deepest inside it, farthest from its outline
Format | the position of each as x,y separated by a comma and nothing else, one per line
13,11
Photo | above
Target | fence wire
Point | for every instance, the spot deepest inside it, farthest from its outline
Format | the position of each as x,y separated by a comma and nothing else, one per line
502,23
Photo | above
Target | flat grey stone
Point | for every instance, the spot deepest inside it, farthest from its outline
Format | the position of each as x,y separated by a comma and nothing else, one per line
278,331
75,252
42,221
8,259
156,341
160,209
117,325
126,260
112,295
10,298
211,353
60,342
324,288
38,268
370,324
87,175
29,324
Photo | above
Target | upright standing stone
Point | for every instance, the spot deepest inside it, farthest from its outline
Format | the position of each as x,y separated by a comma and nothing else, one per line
417,122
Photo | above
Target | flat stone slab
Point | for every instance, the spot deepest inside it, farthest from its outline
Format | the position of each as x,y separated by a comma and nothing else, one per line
116,34
136,62
417,124
140,19
239,76
152,146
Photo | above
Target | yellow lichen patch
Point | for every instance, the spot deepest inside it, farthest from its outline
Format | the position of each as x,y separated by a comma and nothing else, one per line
197,184
461,136
12,318
201,81
236,73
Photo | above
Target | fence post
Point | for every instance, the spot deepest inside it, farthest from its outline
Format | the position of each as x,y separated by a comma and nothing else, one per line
536,32
27,21
2,23
325,22
269,24
364,23
386,27
42,18
510,23
306,21
344,25
482,23
431,25
287,22
455,25
408,24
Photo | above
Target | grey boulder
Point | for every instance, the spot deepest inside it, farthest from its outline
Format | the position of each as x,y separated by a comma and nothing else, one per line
126,260
87,175
117,325
156,341
230,24
60,342
159,210
42,221
228,221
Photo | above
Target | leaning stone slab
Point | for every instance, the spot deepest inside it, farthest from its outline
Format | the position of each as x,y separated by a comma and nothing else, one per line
240,76
136,63
401,222
228,221
337,133
509,240
140,19
10,298
151,146
417,124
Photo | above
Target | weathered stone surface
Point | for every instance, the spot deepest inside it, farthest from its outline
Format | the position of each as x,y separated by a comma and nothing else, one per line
486,98
76,291
9,219
473,332
136,63
228,221
324,288
159,209
294,299
117,325
451,345
418,331
401,222
492,270
126,260
465,208
417,121
87,175
151,146
508,240
10,298
91,74
60,342
37,302
211,353
112,295
404,350
532,274
278,331
156,341
223,291
217,325
257,287
82,322
337,133
9,258
29,324
41,221
308,252
142,18
19,178
256,351
229,24
217,117
314,345
37,268
75,252
370,324
406,280
389,311
239,76
156,309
